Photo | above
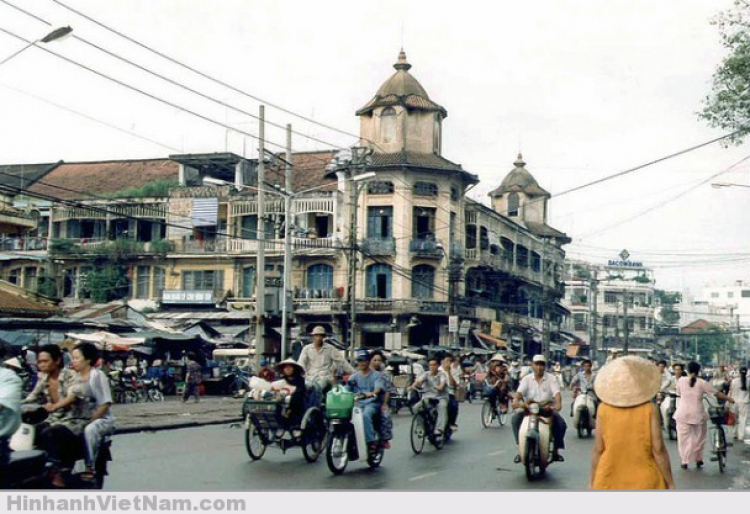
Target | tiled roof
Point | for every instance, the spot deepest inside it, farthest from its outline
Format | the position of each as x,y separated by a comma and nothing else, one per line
519,180
402,89
407,158
542,229
87,180
23,175
12,305
308,170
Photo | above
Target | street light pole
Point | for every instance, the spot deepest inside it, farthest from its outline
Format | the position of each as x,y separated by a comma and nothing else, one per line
55,35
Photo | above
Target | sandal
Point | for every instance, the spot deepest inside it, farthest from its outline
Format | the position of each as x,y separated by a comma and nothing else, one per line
88,475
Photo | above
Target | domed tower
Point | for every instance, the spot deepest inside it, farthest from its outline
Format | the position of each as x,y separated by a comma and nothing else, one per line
520,196
522,199
401,117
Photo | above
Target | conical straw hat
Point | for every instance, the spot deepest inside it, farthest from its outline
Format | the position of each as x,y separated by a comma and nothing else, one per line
627,381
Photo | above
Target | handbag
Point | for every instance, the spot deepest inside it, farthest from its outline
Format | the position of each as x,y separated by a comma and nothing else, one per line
729,418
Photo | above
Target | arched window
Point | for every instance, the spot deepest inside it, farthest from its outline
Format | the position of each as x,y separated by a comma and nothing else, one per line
378,281
513,203
422,281
388,125
320,277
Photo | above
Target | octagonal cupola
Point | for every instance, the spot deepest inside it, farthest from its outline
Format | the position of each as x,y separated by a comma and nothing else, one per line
520,196
401,116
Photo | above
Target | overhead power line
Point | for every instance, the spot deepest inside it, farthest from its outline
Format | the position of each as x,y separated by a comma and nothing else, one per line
202,74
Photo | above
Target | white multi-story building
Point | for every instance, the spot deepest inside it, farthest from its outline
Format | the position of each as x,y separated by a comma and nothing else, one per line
732,301
600,297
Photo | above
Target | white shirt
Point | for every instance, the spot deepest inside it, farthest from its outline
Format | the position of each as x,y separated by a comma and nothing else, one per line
540,392
321,363
10,399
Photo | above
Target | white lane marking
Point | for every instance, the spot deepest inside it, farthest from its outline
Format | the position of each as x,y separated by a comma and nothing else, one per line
420,477
495,454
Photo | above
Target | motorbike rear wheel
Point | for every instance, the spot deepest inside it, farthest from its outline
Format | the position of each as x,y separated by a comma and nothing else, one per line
583,423
254,442
418,432
337,452
672,430
375,458
531,460
131,397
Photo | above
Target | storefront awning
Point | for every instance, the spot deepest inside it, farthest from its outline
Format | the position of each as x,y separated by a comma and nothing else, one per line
498,343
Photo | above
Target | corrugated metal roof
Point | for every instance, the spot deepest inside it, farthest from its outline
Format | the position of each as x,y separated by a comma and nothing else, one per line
199,315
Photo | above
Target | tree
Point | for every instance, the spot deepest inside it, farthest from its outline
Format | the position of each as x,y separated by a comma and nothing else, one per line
670,317
728,104
108,282
714,342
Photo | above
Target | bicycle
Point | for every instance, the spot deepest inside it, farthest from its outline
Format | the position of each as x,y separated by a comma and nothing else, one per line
490,413
718,436
423,427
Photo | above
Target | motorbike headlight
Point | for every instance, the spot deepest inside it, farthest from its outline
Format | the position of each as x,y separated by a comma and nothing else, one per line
534,408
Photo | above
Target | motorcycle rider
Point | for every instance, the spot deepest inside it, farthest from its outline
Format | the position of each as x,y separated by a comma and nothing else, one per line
11,388
368,383
453,373
377,363
584,380
435,387
320,361
541,387
515,375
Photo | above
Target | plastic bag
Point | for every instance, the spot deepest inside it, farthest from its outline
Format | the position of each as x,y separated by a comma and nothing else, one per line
339,403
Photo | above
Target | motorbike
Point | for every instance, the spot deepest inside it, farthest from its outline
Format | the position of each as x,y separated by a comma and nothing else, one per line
346,438
584,410
29,467
667,408
535,441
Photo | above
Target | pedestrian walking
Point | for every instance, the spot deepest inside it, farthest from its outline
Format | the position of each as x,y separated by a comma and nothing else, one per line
691,416
738,391
629,451
193,378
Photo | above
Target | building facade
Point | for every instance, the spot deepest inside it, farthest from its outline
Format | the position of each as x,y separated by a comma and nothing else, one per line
406,252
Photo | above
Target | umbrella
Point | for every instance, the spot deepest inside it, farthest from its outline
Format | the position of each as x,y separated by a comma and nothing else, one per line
108,341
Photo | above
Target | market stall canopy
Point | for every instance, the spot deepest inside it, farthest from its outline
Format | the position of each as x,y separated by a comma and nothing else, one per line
16,338
108,341
499,343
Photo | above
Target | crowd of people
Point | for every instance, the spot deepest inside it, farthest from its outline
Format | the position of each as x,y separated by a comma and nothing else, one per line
76,399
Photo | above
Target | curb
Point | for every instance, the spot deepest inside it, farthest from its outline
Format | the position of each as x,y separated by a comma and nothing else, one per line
175,426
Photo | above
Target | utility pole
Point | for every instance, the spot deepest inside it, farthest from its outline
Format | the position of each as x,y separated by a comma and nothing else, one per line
627,324
288,225
359,159
593,293
260,296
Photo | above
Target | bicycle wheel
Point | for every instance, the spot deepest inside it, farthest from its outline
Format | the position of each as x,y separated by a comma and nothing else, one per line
314,436
722,449
502,417
487,414
418,433
155,395
254,442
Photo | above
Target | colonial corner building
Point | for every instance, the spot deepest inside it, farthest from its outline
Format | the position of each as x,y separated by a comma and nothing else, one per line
426,264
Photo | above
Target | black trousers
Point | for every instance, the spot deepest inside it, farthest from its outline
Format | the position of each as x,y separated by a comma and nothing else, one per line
452,409
63,447
558,428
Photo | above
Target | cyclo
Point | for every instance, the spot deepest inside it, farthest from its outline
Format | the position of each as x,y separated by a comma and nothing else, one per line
268,421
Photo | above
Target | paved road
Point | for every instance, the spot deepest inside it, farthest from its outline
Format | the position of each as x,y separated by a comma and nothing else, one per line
214,458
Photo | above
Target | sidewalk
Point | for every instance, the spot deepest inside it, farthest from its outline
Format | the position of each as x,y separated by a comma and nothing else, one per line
172,413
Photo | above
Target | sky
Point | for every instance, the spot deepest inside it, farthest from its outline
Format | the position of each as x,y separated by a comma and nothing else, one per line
584,89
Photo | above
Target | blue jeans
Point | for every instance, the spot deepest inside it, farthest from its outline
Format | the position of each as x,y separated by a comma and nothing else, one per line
369,411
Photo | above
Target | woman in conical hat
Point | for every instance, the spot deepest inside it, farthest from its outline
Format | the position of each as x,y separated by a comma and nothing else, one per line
629,451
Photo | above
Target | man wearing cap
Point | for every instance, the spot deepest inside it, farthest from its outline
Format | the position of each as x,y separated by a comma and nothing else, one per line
541,387
321,360
368,383
435,387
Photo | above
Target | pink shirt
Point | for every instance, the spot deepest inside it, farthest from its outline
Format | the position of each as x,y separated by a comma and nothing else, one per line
690,408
